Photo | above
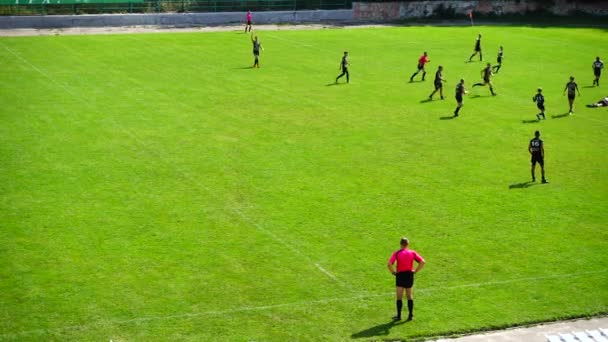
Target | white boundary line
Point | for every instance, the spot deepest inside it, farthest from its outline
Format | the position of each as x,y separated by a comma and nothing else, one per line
243,216
292,304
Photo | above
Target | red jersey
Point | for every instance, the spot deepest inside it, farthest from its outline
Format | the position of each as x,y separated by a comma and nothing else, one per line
405,259
423,60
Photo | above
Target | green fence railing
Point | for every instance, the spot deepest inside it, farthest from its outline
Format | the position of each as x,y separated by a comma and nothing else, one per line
71,7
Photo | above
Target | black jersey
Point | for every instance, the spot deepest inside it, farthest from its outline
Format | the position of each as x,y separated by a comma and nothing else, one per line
256,45
571,86
459,89
344,62
438,76
598,65
478,44
487,72
539,99
536,146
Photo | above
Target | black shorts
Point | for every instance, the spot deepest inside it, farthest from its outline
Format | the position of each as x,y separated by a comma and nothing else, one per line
438,85
537,158
486,80
459,98
571,96
248,22
540,106
404,279
597,72
256,52
420,66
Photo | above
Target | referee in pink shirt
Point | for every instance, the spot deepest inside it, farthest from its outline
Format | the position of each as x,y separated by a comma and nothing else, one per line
404,276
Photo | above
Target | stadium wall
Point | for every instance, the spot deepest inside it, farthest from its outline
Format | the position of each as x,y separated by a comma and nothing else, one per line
172,19
424,9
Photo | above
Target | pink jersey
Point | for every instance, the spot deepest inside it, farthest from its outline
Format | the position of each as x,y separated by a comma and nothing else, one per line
249,16
405,259
423,60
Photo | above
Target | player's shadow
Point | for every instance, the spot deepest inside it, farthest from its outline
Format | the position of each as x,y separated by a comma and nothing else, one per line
589,86
529,121
559,116
474,96
244,68
378,330
426,100
447,117
334,84
522,185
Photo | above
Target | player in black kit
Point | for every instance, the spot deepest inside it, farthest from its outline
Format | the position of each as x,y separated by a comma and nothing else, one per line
572,89
438,83
460,91
598,65
477,49
540,103
537,150
256,50
344,67
498,60
486,73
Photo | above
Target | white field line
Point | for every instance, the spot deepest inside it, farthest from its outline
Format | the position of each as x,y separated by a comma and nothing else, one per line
243,216
292,304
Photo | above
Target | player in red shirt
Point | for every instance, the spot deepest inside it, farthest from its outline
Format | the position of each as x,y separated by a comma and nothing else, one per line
404,276
421,62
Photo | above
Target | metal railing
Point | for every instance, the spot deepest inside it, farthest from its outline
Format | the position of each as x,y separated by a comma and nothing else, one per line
166,6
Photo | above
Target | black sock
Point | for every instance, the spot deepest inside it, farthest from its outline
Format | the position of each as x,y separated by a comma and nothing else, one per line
412,77
410,307
492,90
457,110
423,75
399,306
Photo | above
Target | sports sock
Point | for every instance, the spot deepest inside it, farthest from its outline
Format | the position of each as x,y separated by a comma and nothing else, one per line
399,306
457,110
410,307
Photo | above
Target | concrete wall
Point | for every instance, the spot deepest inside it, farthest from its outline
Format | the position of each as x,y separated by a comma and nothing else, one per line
172,19
422,9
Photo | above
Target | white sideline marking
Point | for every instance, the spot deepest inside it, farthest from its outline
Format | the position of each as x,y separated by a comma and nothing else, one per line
244,217
296,304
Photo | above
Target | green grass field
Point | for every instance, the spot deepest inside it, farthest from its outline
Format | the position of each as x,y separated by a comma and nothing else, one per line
154,187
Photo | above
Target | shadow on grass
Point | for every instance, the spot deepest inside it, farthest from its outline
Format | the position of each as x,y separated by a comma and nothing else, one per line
588,86
243,68
559,116
447,117
522,185
529,121
334,84
474,96
426,100
378,330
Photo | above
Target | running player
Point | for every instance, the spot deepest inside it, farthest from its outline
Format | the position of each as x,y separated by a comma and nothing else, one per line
572,89
498,60
598,65
438,83
486,73
537,150
477,49
256,50
344,67
460,90
540,103
421,62
248,17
